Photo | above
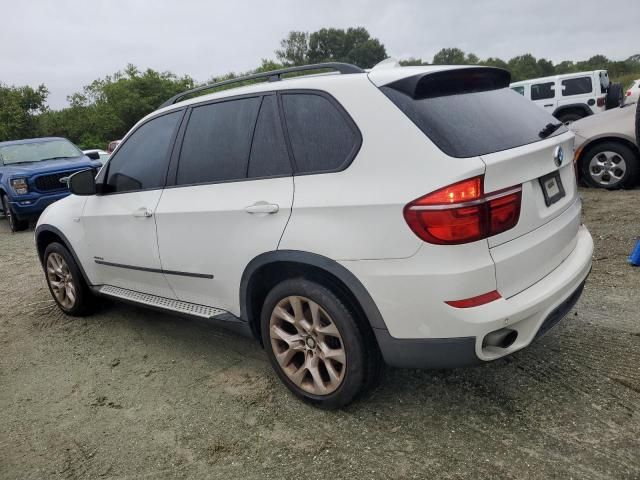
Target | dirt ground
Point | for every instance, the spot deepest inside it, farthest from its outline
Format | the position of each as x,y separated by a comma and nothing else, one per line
130,393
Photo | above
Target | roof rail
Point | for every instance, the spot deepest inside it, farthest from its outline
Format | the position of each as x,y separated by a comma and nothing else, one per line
272,76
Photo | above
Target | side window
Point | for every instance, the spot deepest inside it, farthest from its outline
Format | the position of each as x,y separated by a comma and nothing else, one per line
520,90
269,155
542,91
142,161
321,137
217,142
576,86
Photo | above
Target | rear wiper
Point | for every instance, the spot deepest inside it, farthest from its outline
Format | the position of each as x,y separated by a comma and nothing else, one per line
549,129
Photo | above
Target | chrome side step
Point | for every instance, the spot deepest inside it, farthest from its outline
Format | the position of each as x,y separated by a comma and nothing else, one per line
163,303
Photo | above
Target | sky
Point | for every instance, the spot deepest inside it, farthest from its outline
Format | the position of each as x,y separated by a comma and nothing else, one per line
66,44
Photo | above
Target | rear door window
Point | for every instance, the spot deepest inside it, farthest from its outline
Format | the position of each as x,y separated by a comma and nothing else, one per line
323,138
542,91
576,86
217,142
475,123
269,156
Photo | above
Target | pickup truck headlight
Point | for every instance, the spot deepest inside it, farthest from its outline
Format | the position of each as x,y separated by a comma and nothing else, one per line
19,185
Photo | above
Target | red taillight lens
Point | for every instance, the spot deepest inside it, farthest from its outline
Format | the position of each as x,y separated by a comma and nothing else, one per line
602,101
438,218
475,301
628,93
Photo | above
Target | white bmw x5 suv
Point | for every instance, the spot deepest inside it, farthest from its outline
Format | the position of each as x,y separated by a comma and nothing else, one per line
426,217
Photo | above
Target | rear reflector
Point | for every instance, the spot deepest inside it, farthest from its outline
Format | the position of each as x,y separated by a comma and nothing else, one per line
475,301
462,213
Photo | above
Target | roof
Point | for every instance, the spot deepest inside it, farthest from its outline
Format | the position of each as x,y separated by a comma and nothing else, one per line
30,140
553,78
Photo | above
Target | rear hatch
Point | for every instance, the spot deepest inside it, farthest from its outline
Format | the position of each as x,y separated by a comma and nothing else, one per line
471,112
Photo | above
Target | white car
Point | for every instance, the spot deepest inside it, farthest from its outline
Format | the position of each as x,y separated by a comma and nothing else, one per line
424,216
97,154
606,148
572,96
633,93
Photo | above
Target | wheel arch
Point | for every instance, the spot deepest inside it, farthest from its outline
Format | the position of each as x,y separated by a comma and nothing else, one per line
46,234
574,107
267,269
597,141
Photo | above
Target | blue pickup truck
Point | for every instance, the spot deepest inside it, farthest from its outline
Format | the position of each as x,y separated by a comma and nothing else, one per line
33,175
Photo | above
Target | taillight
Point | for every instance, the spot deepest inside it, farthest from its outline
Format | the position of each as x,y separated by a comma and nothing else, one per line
475,301
628,93
463,213
602,101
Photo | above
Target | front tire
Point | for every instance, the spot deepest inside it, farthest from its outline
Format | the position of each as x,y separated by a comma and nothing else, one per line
65,282
610,165
15,224
315,344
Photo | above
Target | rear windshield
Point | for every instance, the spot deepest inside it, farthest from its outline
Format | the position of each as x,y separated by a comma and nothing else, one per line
477,123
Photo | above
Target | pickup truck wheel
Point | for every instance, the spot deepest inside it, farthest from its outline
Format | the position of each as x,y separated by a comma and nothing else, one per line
15,224
610,165
66,284
314,343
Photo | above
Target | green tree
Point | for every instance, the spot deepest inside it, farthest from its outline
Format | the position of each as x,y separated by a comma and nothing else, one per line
449,56
545,67
354,45
523,67
472,59
411,62
19,107
294,49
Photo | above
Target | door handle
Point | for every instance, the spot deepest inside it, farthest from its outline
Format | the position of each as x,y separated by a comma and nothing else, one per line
262,207
143,212
549,105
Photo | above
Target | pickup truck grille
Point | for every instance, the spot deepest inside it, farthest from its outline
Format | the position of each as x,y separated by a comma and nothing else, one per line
46,183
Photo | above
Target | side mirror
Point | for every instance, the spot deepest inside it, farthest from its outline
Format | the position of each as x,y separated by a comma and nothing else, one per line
93,155
82,183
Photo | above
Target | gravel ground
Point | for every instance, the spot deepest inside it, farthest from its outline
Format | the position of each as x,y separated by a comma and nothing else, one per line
129,393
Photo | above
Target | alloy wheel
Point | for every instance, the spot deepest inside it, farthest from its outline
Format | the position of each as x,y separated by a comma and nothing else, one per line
607,168
307,345
61,281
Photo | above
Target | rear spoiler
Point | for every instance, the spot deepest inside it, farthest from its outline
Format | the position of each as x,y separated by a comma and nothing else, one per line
452,82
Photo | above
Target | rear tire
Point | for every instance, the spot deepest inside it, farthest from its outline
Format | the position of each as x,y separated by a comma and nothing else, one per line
15,224
65,281
615,96
316,345
610,165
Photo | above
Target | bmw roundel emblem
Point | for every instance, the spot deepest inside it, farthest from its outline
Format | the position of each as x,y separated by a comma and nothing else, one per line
558,156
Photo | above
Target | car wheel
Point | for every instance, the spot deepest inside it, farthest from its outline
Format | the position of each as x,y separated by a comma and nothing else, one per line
15,224
315,344
569,118
615,96
609,165
66,284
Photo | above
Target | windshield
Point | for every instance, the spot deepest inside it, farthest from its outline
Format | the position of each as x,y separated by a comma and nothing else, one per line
38,151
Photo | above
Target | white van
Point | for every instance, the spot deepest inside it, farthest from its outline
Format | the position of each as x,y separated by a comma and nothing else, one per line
572,96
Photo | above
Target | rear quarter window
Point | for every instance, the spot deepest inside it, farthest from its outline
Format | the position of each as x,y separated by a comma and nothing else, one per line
576,86
323,138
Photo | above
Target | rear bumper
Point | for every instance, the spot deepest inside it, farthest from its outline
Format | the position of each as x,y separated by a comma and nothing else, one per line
530,314
32,206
